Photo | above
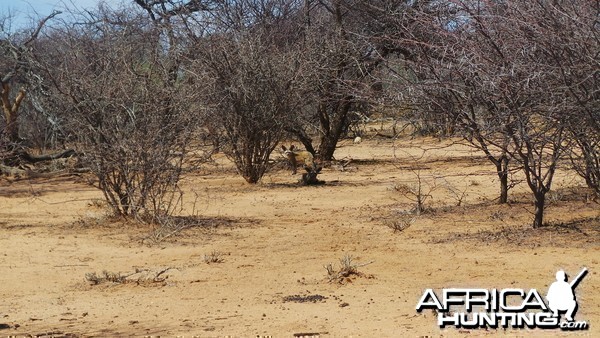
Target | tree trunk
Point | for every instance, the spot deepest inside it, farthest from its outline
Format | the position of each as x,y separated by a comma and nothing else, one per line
540,201
304,139
334,127
503,188
502,167
11,112
327,147
48,157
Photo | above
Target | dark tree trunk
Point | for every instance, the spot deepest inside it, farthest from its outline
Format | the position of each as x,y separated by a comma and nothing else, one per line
48,157
20,156
333,127
540,201
304,139
327,147
503,175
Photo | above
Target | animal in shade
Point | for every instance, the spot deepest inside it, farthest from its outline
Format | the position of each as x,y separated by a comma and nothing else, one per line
298,157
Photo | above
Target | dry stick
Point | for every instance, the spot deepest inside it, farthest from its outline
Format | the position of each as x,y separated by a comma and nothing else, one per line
161,272
65,201
157,237
365,264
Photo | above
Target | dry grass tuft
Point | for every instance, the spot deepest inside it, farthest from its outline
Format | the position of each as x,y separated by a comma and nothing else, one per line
347,270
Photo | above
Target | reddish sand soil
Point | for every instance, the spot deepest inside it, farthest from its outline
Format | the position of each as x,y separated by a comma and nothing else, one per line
276,238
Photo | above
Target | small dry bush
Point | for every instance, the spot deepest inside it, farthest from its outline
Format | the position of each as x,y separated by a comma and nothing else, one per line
172,228
214,257
346,271
401,223
135,130
418,192
165,227
105,277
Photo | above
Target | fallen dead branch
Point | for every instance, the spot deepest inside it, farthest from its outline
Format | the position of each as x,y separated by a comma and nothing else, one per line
11,171
139,277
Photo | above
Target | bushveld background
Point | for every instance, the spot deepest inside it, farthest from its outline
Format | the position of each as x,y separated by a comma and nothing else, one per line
143,190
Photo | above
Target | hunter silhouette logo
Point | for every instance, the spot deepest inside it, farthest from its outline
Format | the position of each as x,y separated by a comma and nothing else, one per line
561,295
483,308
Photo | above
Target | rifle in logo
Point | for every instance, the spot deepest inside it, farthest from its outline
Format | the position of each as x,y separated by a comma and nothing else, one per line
561,294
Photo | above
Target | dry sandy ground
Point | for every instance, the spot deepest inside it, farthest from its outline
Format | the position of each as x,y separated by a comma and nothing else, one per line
275,239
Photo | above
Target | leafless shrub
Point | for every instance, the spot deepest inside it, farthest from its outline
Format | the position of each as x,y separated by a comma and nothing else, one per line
248,79
346,270
400,223
126,107
24,120
340,81
168,226
418,192
585,158
456,194
555,196
509,77
214,257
